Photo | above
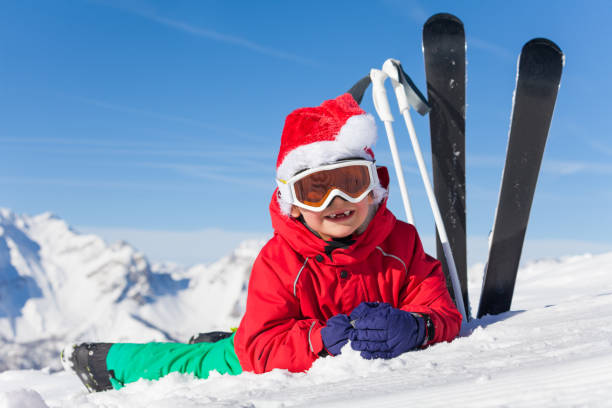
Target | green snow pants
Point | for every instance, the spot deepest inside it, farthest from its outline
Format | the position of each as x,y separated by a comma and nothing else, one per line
129,362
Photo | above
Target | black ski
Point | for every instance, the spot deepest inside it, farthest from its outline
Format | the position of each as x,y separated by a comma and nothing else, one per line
444,50
539,75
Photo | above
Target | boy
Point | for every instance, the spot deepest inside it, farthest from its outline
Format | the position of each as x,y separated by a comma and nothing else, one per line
340,267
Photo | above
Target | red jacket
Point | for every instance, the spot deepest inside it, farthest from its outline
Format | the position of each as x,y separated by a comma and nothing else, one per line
295,287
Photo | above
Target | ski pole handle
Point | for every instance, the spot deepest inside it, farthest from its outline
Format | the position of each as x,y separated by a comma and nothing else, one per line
390,69
408,95
381,104
379,94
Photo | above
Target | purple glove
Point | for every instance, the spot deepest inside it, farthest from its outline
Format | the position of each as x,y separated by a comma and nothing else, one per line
382,331
336,333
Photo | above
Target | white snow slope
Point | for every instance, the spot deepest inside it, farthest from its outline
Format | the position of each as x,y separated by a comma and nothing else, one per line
553,349
57,285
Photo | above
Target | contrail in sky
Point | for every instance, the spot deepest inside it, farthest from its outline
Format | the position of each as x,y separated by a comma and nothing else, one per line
217,36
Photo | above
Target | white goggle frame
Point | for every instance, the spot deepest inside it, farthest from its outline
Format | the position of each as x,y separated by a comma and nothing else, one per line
286,188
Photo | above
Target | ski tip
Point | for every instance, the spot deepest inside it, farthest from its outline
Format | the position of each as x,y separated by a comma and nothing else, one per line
443,17
541,60
442,25
542,42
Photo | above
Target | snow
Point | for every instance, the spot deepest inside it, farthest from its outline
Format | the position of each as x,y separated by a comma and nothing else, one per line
554,348
57,285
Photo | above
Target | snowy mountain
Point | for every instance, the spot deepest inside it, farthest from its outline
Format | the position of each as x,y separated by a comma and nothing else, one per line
57,285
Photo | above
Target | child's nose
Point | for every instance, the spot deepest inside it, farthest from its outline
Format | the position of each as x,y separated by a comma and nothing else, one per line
336,201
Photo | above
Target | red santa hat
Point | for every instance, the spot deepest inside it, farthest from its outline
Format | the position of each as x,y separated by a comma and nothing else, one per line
338,129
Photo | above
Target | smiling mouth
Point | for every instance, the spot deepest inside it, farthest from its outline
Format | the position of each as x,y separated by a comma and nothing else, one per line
340,215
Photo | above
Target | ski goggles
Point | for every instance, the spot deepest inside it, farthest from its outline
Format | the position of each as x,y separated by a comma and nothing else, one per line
315,188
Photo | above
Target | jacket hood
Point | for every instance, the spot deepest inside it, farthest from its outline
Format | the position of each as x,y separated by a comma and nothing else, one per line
307,244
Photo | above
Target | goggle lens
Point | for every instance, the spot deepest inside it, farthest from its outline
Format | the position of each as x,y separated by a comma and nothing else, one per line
314,188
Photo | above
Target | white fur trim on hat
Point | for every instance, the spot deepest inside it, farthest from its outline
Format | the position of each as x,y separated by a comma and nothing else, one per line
357,134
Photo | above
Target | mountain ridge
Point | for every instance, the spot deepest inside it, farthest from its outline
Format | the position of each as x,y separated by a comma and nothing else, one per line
59,285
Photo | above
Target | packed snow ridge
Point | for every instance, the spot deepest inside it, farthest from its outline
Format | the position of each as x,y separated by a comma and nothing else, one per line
57,285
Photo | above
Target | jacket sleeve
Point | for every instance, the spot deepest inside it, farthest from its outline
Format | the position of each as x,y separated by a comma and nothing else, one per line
426,293
272,333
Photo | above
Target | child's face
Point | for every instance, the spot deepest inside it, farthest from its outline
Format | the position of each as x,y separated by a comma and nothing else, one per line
333,222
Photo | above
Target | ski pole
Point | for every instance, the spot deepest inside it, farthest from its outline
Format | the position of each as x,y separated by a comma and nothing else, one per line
381,104
407,94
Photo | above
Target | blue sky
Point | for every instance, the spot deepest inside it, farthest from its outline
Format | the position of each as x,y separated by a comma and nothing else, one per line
159,122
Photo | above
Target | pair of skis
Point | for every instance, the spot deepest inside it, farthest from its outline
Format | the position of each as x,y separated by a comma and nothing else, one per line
538,78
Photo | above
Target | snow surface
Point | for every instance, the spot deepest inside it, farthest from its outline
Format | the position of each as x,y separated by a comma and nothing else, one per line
553,349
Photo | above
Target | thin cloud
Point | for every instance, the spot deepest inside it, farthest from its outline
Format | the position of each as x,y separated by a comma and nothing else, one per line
600,147
256,184
227,167
137,186
96,146
412,10
219,37
225,174
76,142
567,167
172,118
97,184
492,48
553,166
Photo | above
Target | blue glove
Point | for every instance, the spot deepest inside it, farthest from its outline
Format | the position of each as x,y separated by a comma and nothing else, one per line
336,333
382,331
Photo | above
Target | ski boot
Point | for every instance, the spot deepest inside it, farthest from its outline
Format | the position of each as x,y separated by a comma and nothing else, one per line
210,337
88,362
